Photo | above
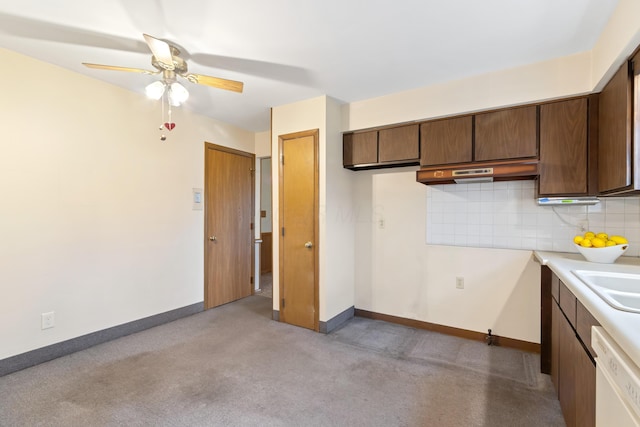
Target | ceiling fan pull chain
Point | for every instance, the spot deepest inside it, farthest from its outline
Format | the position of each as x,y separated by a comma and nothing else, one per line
163,137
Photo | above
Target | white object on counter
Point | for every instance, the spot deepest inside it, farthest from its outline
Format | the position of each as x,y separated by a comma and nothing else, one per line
617,383
607,255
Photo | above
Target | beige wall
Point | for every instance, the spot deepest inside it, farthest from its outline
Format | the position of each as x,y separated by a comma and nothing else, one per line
263,144
97,221
619,38
397,273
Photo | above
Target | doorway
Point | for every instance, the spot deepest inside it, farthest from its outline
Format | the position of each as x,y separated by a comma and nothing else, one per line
266,232
298,234
228,240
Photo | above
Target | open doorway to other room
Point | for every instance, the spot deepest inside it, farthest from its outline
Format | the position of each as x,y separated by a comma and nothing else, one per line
266,232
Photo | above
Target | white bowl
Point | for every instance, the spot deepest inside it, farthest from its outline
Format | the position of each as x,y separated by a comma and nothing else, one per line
606,255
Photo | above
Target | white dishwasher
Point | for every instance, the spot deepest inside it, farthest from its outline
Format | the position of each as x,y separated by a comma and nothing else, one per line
617,383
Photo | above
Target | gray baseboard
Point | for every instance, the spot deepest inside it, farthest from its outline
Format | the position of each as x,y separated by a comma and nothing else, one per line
276,315
53,351
333,323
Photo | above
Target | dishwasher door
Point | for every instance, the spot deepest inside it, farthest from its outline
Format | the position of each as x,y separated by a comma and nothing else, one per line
617,383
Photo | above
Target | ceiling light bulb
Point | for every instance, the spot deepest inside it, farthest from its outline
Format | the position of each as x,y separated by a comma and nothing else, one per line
155,90
177,94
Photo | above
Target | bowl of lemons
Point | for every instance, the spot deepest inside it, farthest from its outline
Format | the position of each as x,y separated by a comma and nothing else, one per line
600,247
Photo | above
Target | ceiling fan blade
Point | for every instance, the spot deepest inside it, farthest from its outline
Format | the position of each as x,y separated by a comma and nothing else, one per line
161,50
264,69
116,68
215,82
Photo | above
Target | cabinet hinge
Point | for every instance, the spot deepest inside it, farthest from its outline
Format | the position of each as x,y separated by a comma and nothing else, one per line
282,231
282,302
251,280
282,159
251,226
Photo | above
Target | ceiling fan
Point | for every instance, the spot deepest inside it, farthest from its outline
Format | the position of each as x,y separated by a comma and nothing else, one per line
166,60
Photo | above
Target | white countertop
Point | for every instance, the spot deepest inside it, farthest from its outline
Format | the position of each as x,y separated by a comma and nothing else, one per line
623,326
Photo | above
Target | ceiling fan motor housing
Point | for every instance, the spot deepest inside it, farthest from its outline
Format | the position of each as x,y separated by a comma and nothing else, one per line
179,64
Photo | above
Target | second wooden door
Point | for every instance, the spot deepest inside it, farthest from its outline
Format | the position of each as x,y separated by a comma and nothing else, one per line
228,225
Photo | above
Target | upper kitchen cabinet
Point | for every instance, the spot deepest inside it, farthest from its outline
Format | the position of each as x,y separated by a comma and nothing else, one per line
564,147
387,147
617,155
506,134
360,148
399,144
446,141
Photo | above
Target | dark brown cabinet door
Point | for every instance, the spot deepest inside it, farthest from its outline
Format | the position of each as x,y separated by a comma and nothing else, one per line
506,134
556,316
584,322
398,144
614,141
585,385
563,148
446,141
566,371
360,148
573,372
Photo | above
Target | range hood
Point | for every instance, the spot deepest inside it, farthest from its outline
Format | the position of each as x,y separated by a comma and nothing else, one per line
505,170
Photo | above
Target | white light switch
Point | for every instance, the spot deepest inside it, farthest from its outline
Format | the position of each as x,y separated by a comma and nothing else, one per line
197,199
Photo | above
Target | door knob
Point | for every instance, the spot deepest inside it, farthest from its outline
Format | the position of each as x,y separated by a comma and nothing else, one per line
308,245
213,238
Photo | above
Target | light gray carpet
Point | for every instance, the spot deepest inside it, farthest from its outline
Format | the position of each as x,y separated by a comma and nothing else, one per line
233,366
266,285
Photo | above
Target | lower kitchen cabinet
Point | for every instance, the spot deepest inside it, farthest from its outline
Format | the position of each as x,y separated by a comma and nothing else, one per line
573,371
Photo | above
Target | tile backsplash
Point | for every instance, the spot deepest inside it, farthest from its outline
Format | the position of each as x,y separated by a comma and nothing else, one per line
505,215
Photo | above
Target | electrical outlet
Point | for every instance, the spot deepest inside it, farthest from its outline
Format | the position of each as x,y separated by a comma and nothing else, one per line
459,282
381,223
48,320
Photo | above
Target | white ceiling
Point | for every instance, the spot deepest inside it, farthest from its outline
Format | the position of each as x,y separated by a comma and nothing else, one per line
290,50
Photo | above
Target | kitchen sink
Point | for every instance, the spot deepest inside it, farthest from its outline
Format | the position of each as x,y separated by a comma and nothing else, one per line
619,290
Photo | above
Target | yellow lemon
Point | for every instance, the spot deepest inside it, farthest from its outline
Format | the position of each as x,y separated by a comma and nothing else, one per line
603,236
610,243
597,242
589,235
578,239
619,240
586,243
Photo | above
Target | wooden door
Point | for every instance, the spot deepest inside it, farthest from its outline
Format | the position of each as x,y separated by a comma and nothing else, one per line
563,148
299,229
228,225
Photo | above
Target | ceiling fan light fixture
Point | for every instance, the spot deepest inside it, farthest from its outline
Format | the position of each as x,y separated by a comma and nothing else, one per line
155,90
177,94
